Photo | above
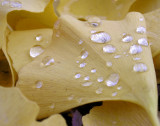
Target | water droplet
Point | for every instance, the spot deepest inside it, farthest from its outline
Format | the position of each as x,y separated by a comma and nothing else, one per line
79,100
100,79
136,58
109,64
135,49
94,21
77,61
127,38
117,56
141,30
109,49
5,3
99,91
77,76
36,51
100,37
87,84
93,71
140,67
84,54
80,42
39,37
143,41
70,97
93,31
52,106
86,78
39,84
47,61
150,43
141,19
114,94
112,80
57,24
82,65
119,87
16,4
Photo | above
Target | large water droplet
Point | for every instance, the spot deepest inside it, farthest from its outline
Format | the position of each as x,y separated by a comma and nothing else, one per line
86,78
87,84
77,76
140,67
99,91
127,38
39,37
100,79
135,49
47,61
109,49
143,41
100,37
93,71
84,54
39,84
36,51
109,64
94,21
141,30
112,80
16,4
82,65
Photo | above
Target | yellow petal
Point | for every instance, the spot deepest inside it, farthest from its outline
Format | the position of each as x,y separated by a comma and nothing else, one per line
111,9
56,83
40,12
118,113
20,43
16,110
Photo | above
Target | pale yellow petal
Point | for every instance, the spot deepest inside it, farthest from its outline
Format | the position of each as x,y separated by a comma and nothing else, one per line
58,83
16,110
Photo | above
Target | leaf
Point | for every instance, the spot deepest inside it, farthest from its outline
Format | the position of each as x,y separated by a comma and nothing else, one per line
118,113
111,9
58,83
16,110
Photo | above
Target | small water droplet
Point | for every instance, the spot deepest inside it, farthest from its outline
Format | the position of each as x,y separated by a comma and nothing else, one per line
136,58
141,19
114,94
109,64
36,51
143,41
82,65
109,49
86,78
47,61
79,100
119,87
52,106
77,61
77,76
94,21
150,43
140,67
93,71
127,38
135,49
58,34
70,97
39,84
80,42
100,37
87,84
93,31
141,30
39,37
16,4
112,80
100,79
117,56
99,91
57,24
84,54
